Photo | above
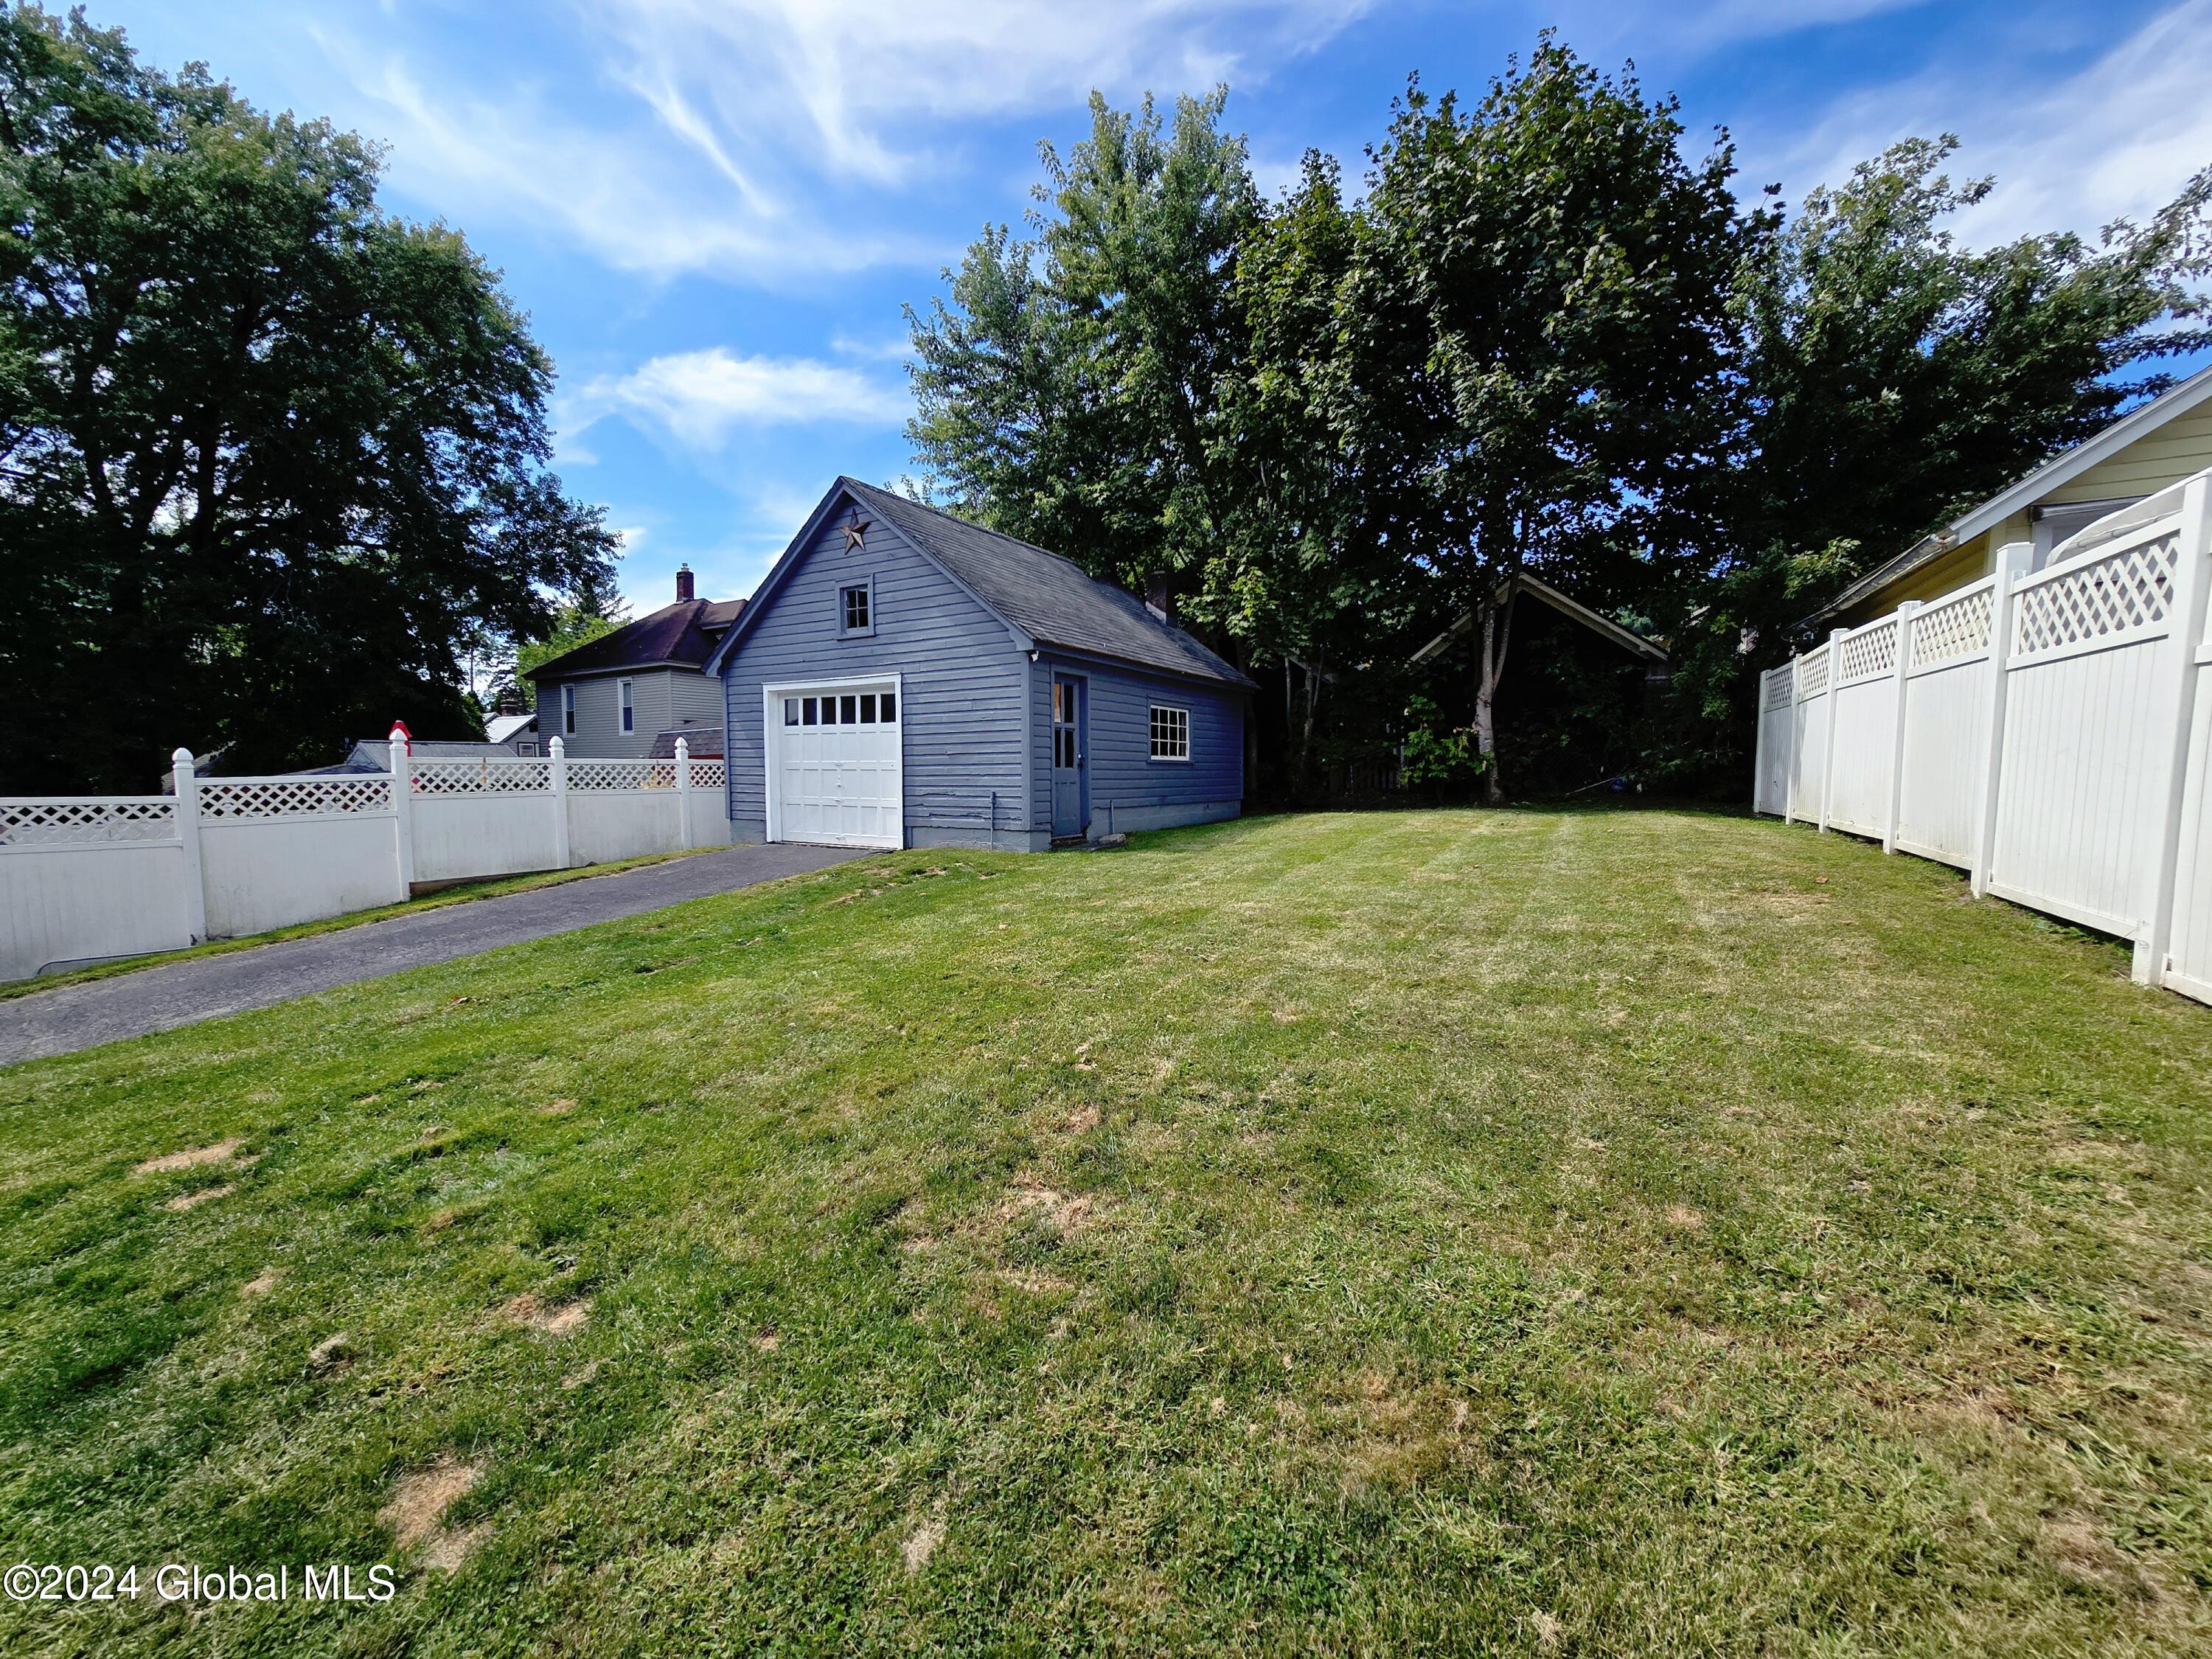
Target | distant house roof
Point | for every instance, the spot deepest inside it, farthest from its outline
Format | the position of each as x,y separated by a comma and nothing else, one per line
682,635
2061,469
374,754
501,727
1046,598
705,741
1536,588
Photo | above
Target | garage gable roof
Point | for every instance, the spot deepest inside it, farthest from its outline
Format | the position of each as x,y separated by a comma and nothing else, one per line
1045,599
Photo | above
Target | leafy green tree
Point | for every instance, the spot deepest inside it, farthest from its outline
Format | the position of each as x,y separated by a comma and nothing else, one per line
1071,392
268,457
1897,376
1294,574
1538,354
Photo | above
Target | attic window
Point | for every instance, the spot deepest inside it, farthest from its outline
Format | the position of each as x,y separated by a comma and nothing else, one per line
856,609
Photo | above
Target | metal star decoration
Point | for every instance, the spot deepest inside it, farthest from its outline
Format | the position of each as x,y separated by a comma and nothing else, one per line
855,529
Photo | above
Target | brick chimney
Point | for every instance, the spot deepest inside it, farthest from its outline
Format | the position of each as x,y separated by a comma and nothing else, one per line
683,583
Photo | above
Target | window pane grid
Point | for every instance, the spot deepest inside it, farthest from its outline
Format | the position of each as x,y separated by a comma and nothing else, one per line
1170,733
859,708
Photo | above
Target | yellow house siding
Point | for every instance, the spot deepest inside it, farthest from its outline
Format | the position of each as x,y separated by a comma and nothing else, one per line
2161,457
2164,455
1968,561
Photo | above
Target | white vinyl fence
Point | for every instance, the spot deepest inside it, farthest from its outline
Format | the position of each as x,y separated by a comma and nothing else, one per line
2049,732
88,878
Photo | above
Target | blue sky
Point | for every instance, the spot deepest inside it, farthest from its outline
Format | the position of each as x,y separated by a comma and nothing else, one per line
713,210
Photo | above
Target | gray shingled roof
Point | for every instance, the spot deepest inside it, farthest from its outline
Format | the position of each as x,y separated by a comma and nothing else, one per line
1045,596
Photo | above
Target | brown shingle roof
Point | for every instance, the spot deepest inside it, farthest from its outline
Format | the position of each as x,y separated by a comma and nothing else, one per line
684,634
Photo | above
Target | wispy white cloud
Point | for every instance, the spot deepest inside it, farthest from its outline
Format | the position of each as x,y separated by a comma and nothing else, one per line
750,139
699,398
854,82
886,348
2117,139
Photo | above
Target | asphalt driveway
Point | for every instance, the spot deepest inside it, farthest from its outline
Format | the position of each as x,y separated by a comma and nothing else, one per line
75,1017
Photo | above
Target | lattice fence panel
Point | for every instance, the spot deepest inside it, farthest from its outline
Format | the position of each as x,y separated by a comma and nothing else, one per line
1781,686
86,823
1957,627
1871,651
708,775
2118,594
481,777
596,776
294,797
1813,673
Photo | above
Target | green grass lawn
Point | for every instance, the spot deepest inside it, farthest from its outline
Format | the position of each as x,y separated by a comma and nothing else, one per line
1596,1232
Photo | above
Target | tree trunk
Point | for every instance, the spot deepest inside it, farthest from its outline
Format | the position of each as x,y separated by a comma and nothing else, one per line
1497,615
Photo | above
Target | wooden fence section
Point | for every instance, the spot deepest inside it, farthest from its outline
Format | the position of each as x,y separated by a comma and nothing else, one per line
2049,731
87,878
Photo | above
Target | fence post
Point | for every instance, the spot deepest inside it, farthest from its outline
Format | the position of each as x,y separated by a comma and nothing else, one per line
1828,749
2170,746
556,773
188,833
403,805
2014,561
1759,742
1789,768
1905,618
683,789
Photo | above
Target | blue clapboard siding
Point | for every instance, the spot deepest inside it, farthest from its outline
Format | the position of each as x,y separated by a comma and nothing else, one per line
1129,790
961,713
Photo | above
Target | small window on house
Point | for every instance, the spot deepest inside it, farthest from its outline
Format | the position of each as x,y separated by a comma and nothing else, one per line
889,706
629,708
791,711
867,708
569,710
811,716
1170,733
857,616
850,714
829,711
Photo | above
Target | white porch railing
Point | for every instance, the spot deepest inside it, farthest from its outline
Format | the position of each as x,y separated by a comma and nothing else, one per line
86,879
2049,733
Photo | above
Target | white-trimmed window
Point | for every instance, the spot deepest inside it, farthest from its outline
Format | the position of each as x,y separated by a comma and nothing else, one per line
1170,733
629,706
568,711
856,609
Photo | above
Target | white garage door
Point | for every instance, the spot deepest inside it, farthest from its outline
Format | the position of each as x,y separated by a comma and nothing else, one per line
834,768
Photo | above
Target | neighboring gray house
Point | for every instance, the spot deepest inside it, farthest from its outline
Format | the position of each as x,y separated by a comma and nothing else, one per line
609,698
906,678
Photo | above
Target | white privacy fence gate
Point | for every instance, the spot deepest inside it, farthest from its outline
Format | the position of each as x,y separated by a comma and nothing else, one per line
88,877
2049,732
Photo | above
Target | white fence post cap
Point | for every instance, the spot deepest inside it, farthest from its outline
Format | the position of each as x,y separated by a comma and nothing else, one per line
557,749
182,757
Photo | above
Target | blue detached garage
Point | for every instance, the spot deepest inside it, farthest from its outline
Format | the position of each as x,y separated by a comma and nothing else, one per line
906,678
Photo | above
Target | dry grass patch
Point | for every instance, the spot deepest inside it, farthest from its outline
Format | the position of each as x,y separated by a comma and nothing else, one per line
415,1514
192,1200
554,1318
191,1159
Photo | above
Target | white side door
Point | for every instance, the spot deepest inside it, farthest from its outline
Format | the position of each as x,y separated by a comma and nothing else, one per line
835,767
